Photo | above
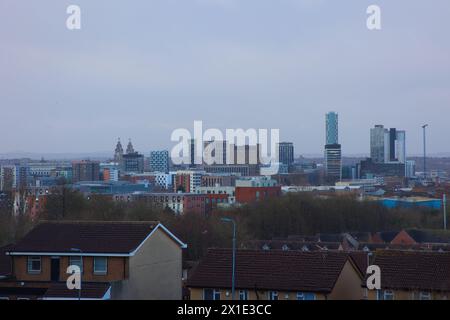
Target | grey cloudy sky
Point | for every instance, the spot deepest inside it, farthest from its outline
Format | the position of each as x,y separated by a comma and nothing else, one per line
140,69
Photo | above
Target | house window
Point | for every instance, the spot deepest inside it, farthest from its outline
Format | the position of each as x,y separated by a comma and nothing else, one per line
273,295
425,296
34,264
76,261
243,295
211,294
306,296
208,294
100,265
388,295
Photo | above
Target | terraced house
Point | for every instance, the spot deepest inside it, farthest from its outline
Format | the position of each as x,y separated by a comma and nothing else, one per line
412,275
118,260
277,275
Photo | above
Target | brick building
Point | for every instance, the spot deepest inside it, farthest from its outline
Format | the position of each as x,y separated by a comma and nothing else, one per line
118,260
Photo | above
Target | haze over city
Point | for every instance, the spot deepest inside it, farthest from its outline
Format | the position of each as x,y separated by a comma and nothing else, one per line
142,70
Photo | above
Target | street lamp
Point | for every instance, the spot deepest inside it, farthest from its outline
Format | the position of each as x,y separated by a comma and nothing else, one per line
424,127
81,273
233,274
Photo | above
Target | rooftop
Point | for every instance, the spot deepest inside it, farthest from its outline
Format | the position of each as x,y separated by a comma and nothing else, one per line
270,270
90,237
413,270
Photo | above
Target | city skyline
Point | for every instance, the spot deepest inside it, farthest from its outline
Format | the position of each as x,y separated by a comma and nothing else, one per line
282,68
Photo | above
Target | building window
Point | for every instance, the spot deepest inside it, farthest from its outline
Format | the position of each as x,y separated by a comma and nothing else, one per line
273,295
34,265
425,296
100,265
306,296
76,261
208,294
211,294
388,295
243,295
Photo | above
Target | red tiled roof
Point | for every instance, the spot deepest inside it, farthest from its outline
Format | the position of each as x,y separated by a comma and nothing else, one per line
90,237
270,270
89,290
414,270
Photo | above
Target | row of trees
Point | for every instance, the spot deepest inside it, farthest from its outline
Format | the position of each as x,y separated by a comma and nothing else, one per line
292,214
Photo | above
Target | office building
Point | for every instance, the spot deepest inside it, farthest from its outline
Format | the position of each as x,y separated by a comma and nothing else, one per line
133,163
333,161
159,161
331,128
14,177
387,145
110,171
286,153
215,152
410,169
333,152
85,170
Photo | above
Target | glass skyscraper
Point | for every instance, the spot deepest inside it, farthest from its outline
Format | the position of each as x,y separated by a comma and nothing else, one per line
332,130
333,153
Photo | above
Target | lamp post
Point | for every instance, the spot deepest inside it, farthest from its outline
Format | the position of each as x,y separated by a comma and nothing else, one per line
424,127
81,273
233,274
444,203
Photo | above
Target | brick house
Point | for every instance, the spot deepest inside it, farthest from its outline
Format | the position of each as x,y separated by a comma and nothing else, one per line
277,275
119,260
412,275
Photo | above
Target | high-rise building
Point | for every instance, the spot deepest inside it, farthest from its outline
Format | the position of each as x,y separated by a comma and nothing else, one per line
159,161
286,153
194,157
399,148
110,171
332,129
387,145
377,144
85,170
133,163
333,152
410,169
215,152
333,161
188,180
14,177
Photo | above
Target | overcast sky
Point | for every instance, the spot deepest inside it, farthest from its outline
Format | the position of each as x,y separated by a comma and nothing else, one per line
140,69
